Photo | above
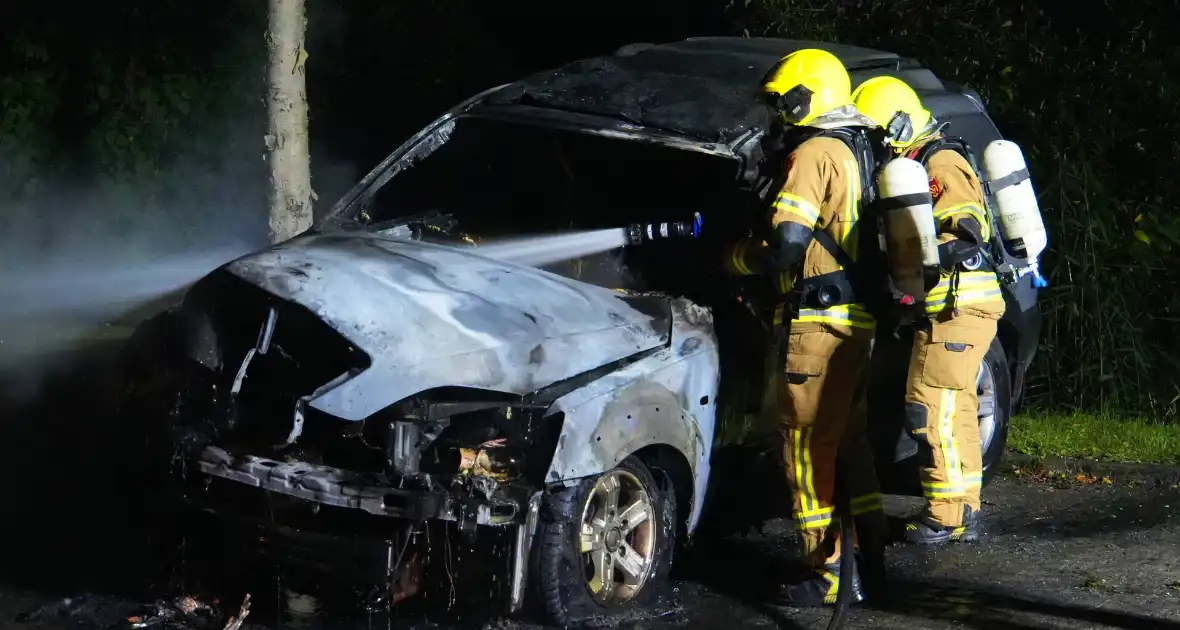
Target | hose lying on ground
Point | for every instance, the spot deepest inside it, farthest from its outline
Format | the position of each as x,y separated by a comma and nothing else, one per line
847,562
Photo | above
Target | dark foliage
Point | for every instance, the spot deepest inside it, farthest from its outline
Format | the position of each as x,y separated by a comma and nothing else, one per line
1089,91
156,106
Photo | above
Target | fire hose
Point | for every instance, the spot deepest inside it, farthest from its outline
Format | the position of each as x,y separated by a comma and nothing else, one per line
847,558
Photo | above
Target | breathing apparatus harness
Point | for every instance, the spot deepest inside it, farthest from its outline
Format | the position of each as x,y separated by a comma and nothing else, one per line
989,255
853,283
849,285
865,280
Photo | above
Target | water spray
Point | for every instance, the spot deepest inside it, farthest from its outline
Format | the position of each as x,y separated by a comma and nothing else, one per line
55,304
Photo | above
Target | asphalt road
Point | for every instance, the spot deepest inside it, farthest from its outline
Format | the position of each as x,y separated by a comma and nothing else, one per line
1075,556
1053,556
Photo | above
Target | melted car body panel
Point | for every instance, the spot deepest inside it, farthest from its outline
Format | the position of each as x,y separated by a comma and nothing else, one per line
435,316
667,398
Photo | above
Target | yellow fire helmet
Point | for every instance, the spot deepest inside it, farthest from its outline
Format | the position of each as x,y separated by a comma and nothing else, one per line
806,84
895,106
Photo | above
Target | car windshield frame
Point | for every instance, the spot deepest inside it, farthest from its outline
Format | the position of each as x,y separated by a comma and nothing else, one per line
345,213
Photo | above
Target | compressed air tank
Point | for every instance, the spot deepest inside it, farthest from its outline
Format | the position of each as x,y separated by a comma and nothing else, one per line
1014,200
910,234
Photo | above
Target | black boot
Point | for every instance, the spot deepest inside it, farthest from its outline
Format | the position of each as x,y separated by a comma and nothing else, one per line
820,587
923,531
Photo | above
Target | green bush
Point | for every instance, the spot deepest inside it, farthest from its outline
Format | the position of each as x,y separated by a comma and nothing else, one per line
111,123
1096,113
161,132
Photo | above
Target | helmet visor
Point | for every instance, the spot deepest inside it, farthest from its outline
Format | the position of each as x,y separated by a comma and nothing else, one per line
794,105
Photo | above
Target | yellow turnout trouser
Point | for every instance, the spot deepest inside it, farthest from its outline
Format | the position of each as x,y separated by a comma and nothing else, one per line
942,411
822,407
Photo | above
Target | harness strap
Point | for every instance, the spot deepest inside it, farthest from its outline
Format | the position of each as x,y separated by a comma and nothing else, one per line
1011,179
826,241
839,286
904,201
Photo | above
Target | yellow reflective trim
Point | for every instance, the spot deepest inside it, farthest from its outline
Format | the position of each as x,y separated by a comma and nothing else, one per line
805,521
798,206
833,586
849,207
939,494
963,299
852,315
820,511
946,437
967,279
808,500
798,212
815,522
809,480
942,490
961,294
974,287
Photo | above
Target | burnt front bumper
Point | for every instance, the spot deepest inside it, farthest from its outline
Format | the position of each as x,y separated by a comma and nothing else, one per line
368,493
319,520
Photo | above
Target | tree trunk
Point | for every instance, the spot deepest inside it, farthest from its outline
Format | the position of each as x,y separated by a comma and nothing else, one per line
288,154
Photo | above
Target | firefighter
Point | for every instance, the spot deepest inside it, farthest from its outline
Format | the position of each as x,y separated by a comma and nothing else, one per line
819,393
941,403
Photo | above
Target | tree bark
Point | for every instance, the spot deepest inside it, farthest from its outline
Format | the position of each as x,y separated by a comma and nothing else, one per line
288,153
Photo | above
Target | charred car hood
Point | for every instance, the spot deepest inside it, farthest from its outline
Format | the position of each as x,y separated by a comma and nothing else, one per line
433,316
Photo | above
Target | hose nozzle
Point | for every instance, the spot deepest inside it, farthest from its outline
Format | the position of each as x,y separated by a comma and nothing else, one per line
639,233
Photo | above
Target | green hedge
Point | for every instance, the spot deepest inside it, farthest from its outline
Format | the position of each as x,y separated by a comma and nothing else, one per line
1096,113
136,125
160,132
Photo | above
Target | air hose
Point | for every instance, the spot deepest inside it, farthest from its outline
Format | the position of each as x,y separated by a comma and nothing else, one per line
847,562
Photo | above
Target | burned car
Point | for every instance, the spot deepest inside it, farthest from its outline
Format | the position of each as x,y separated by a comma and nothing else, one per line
380,373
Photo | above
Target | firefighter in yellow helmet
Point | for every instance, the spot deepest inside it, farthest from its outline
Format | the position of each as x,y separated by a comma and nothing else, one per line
811,246
962,309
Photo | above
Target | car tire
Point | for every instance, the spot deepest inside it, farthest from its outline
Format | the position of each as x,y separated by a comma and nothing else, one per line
563,577
995,382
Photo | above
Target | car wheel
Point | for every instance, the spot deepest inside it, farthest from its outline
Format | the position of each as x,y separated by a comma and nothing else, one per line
993,385
605,544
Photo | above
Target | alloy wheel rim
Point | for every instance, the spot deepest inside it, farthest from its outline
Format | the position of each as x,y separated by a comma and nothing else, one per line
985,389
617,537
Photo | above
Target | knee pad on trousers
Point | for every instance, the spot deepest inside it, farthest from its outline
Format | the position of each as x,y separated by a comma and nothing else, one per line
796,379
915,417
915,420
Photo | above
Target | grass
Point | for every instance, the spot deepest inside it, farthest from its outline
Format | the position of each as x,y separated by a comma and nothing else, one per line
1096,436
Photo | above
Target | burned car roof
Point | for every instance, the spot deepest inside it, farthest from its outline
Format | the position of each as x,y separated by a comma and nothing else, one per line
703,88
